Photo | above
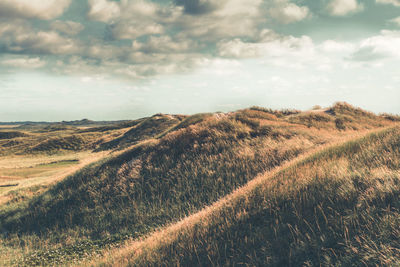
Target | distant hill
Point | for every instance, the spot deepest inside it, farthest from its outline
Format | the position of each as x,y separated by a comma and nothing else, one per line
41,124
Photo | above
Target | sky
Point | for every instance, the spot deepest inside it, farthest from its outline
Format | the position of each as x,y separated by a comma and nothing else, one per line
110,60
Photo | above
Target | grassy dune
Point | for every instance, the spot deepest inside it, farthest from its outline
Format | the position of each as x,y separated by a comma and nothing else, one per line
145,129
172,166
337,207
35,155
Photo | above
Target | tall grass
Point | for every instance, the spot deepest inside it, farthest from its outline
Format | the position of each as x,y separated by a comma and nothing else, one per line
145,129
339,207
189,165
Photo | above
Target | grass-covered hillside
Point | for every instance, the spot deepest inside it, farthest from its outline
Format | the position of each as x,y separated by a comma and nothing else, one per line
33,155
171,166
337,207
145,129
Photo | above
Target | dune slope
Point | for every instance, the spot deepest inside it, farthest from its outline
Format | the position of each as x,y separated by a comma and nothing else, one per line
176,170
337,207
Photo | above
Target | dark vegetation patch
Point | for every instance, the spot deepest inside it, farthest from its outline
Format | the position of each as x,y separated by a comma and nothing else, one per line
60,162
55,128
11,134
8,185
278,113
11,143
391,117
72,142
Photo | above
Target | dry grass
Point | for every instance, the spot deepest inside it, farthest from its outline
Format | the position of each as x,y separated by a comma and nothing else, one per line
155,182
8,126
306,199
42,170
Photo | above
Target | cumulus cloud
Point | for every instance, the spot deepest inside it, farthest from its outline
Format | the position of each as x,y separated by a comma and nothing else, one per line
230,19
41,9
193,18
19,37
164,38
385,45
29,63
269,44
179,36
135,29
286,12
129,19
392,2
208,20
103,10
164,44
238,7
146,70
344,7
67,27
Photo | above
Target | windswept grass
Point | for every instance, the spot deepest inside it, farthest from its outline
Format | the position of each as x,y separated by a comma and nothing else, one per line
177,166
145,129
338,207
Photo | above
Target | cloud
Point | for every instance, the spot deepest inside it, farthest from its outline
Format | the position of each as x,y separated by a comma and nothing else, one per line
19,38
393,2
199,7
67,27
269,44
208,19
144,38
344,7
332,46
129,19
291,52
367,53
29,63
385,45
41,9
103,10
236,48
235,8
286,13
230,19
124,10
164,44
395,21
135,29
164,38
